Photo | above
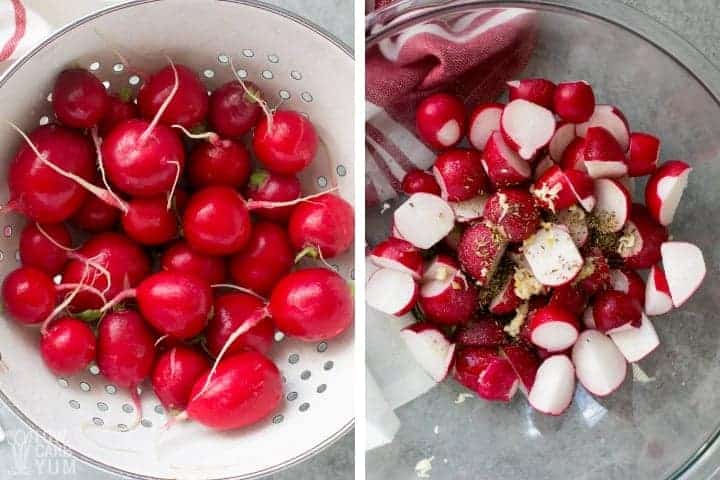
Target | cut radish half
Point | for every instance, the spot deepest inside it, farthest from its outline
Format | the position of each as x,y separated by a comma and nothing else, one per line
613,204
398,254
554,385
553,328
657,293
552,256
664,190
469,210
644,154
575,221
484,120
599,364
637,343
524,362
430,348
612,120
503,165
424,219
563,136
603,156
451,301
506,301
527,127
441,268
391,291
582,187
535,90
628,281
684,269
553,190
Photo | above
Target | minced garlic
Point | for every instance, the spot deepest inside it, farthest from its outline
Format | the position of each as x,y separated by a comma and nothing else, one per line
548,194
513,328
526,285
504,206
626,242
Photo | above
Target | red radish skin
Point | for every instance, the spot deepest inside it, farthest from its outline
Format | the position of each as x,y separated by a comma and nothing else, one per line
524,362
573,156
643,155
313,304
553,328
216,221
440,120
563,137
574,101
125,349
481,247
535,90
36,189
612,120
28,295
244,389
232,112
325,225
484,332
657,293
603,156
416,181
664,190
595,275
641,240
459,174
125,261
615,311
95,215
231,312
188,106
272,187
265,259
179,257
175,373
68,346
149,222
485,372
583,187
527,127
553,190
79,99
570,298
143,160
484,120
399,255
450,302
37,250
506,301
225,162
514,211
286,146
503,166
629,281
117,112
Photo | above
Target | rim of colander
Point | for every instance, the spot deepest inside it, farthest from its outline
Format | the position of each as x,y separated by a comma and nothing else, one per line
630,19
11,71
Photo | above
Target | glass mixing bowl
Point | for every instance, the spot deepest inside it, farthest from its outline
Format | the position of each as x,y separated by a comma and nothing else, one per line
665,425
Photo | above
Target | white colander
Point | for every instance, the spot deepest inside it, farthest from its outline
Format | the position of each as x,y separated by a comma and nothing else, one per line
290,60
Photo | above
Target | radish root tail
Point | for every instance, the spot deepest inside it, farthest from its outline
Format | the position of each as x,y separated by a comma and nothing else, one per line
254,96
211,137
120,297
253,204
144,136
101,167
239,289
171,193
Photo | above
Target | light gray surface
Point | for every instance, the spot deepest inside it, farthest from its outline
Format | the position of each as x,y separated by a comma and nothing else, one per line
23,455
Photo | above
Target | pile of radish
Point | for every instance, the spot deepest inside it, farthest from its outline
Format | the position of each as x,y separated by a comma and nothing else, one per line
519,255
152,248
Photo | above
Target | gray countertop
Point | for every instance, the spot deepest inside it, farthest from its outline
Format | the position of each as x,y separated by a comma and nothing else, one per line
336,462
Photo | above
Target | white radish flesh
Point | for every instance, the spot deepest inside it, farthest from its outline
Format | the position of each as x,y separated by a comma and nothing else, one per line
685,269
483,122
657,293
527,126
424,219
599,364
562,137
469,210
554,385
391,291
431,349
612,120
637,343
613,204
552,256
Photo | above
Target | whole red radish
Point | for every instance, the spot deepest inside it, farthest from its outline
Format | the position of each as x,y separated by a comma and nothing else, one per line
573,157
615,311
481,247
175,304
180,257
28,295
188,107
36,189
216,221
514,211
419,181
484,371
37,250
574,101
117,112
79,99
273,187
643,155
451,300
174,375
68,346
95,215
440,120
236,310
312,304
141,159
535,90
225,162
149,222
603,156
287,143
232,111
265,258
125,349
325,224
244,389
460,175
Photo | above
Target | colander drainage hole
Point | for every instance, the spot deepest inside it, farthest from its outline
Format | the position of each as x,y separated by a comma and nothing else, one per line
94,66
248,53
94,370
85,387
133,80
267,74
118,67
159,409
341,170
44,120
127,408
321,388
242,73
322,182
122,427
279,336
49,97
293,358
74,404
277,419
295,75
222,58
284,94
305,375
111,389
98,421
106,84
304,407
306,96
102,406
146,423
272,58
329,365
63,383
352,274
292,396
322,347
208,73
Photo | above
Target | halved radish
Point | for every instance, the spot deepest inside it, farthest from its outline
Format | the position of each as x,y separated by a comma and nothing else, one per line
615,311
506,301
657,293
664,190
542,166
527,127
588,319
554,385
561,139
469,210
424,219
481,247
514,211
553,190
628,281
503,165
398,254
575,220
573,156
416,180
391,291
552,256
569,297
483,332
639,245
684,269
612,120
603,156
440,120
459,174
441,267
430,348
553,328
613,204
643,155
583,187
536,90
595,274
574,101
637,343
524,362
599,364
451,301
484,120
486,372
